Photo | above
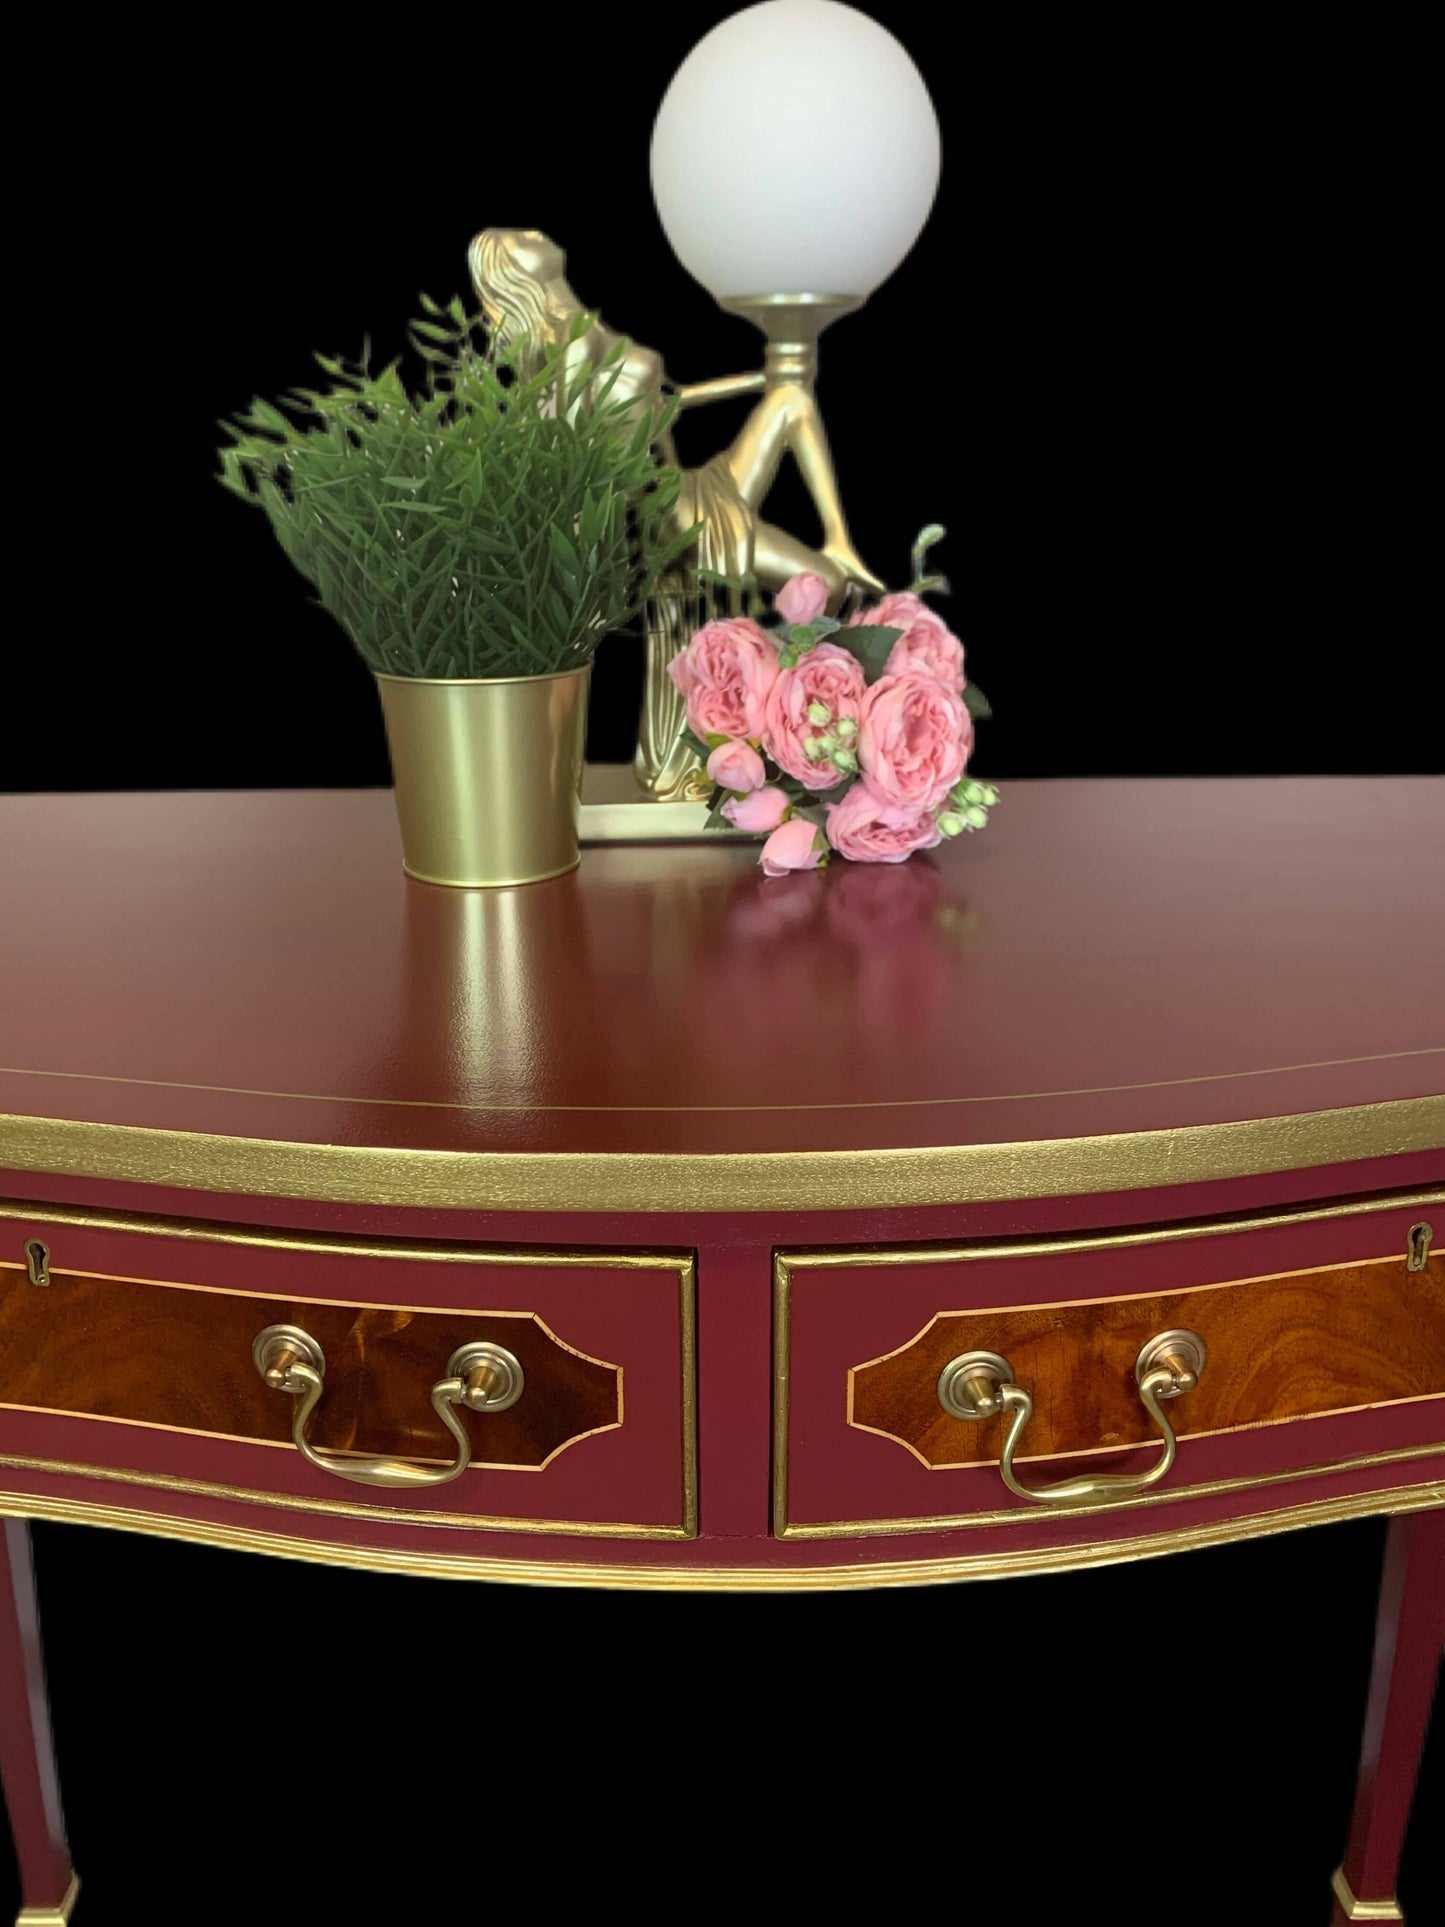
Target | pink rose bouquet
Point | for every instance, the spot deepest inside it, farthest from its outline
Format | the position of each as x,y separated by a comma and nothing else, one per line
848,738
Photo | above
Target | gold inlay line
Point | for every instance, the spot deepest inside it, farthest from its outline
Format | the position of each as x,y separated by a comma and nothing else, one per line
1015,1516
339,1245
1143,1445
841,1104
288,1444
333,1508
837,1259
684,1575
1121,1297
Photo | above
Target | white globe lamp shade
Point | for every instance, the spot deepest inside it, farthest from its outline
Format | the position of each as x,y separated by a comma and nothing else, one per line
796,152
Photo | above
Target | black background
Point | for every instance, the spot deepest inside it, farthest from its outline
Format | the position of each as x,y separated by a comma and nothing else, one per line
1155,364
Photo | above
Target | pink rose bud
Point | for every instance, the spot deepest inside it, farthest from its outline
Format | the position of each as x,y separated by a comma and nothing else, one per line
763,810
794,845
737,767
803,599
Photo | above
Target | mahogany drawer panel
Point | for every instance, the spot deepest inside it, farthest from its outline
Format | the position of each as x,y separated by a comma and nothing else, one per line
1324,1347
1327,1340
144,1337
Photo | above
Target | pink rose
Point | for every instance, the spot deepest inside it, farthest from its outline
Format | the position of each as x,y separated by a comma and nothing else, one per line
763,810
868,831
927,642
792,846
803,599
806,705
737,767
724,676
914,737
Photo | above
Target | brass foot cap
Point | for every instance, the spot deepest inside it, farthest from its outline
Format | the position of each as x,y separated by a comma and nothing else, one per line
1363,1909
51,1916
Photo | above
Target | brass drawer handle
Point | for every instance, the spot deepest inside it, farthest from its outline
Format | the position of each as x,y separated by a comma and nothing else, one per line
979,1385
484,1378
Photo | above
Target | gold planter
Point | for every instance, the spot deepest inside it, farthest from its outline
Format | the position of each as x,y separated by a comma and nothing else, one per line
488,775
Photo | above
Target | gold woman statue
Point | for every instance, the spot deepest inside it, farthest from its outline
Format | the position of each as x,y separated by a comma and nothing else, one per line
519,278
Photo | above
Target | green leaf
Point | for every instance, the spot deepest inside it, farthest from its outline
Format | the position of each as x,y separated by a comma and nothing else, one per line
465,529
266,416
976,703
872,643
695,743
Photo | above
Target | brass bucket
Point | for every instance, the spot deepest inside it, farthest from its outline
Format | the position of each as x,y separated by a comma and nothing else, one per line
488,775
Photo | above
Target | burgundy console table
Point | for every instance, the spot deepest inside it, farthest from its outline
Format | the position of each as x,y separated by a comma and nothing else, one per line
1070,1196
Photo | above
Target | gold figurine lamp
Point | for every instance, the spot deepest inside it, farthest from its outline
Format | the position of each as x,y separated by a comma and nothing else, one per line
794,162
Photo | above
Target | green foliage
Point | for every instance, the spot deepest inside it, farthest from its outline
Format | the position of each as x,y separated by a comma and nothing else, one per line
498,524
872,643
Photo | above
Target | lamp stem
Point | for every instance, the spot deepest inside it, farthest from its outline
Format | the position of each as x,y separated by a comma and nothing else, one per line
792,324
791,364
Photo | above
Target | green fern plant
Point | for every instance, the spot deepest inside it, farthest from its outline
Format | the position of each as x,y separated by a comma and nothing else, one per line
499,523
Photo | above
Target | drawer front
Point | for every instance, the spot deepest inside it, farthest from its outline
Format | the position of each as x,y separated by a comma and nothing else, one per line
1322,1335
128,1347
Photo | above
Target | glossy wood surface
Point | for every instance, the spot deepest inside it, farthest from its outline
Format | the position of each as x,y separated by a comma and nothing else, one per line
1108,957
1320,1341
28,1777
170,1356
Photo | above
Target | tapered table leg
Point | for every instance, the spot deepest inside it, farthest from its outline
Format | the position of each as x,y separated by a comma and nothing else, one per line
27,1761
1408,1642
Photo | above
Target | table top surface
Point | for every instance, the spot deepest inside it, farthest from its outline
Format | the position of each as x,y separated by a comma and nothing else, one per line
1109,959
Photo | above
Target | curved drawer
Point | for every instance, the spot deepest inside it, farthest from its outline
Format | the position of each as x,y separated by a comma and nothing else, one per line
126,1348
1322,1336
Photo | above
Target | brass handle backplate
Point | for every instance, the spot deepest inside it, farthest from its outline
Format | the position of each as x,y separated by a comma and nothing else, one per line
482,1377
981,1385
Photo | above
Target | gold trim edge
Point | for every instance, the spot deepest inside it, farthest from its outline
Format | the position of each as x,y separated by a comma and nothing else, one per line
701,1578
52,1916
341,1508
1362,1909
838,1258
1208,1489
225,1231
853,1179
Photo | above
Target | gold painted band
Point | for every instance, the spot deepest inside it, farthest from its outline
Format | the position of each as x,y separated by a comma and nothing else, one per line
701,1578
1362,1909
722,1181
51,1916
